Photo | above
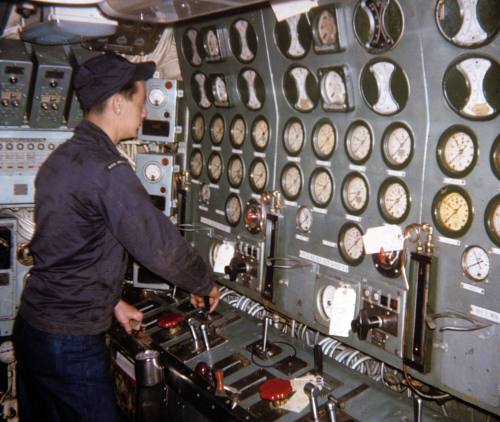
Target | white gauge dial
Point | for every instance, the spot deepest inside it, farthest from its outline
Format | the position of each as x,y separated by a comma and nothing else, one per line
291,181
233,210
327,28
217,129
198,128
215,167
156,97
321,187
152,172
304,102
253,102
195,59
220,90
296,49
398,146
245,54
203,101
476,263
237,131
351,244
294,137
394,201
324,140
333,90
304,219
235,171
355,193
458,152
260,134
212,44
196,163
359,143
258,175
205,194
327,295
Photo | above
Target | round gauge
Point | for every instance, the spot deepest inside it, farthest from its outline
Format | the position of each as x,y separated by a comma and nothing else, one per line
197,128
291,181
321,187
233,209
258,175
217,129
326,31
214,167
237,131
355,193
156,97
200,88
293,36
293,136
243,40
211,44
325,301
235,171
152,172
358,143
219,90
251,89
205,194
301,88
304,219
253,216
397,146
492,220
495,157
260,133
457,151
476,263
394,200
351,244
452,211
192,47
324,139
196,163
333,91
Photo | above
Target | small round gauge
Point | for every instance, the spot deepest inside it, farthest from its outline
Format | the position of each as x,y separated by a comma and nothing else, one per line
197,128
217,128
495,157
324,139
304,219
457,151
258,175
205,193
355,193
397,146
492,220
326,32
219,90
212,44
350,243
325,301
233,209
333,90
358,142
260,133
394,200
196,163
156,97
293,136
235,171
476,263
152,172
291,181
452,211
214,167
321,187
237,131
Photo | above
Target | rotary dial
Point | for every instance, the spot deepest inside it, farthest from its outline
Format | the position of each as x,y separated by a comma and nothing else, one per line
212,44
152,172
327,29
205,194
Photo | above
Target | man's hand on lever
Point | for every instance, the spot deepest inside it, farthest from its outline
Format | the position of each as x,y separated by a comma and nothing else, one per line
128,316
213,298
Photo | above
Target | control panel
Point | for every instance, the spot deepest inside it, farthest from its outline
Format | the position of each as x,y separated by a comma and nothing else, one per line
8,288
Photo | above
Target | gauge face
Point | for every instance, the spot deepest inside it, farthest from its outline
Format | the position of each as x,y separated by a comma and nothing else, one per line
355,193
200,89
198,128
293,36
492,220
258,175
394,200
260,133
237,131
156,97
193,47
333,90
196,163
205,194
243,41
291,181
325,301
457,151
324,139
301,88
326,31
235,171
495,157
397,146
476,263
211,44
304,219
321,187
217,129
219,91
152,172
351,244
251,88
233,209
359,142
214,167
452,211
293,137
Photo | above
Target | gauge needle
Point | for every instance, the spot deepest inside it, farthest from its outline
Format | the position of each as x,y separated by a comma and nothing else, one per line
353,245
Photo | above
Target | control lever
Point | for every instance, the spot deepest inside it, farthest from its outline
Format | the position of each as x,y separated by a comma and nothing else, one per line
191,323
204,335
267,322
331,405
318,360
312,392
236,266
417,408
364,323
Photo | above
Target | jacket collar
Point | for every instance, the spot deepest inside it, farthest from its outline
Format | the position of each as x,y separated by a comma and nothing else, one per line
89,132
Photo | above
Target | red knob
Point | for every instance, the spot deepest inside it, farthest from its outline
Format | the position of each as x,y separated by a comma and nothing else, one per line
202,369
170,320
275,389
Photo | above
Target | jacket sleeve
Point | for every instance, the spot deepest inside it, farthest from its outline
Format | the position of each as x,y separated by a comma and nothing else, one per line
147,234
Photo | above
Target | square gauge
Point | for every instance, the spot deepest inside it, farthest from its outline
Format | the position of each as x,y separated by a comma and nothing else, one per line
336,89
213,44
326,33
220,90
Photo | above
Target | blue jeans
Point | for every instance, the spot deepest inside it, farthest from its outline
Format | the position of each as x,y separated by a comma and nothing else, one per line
62,378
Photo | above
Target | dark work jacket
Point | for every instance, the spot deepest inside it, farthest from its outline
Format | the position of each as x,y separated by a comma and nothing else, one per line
90,209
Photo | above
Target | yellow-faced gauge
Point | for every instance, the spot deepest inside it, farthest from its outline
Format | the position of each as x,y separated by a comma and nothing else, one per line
205,194
350,244
293,136
304,219
492,220
237,131
394,200
358,143
258,175
291,181
457,151
321,187
324,139
217,128
495,157
452,211
397,146
196,163
197,128
355,193
233,209
235,171
260,133
214,167
476,263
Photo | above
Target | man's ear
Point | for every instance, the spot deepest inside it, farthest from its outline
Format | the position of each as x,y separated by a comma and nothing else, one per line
117,103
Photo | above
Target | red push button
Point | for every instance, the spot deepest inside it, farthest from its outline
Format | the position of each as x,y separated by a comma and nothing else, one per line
275,389
170,320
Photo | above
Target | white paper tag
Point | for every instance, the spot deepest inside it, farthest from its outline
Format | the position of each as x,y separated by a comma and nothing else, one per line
299,401
224,255
387,238
342,311
283,9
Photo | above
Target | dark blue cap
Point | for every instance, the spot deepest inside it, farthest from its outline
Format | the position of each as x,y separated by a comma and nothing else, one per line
102,76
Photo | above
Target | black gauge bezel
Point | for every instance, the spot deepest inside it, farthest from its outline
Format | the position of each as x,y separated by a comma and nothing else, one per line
196,92
385,149
317,171
282,37
318,46
314,142
440,195
380,200
347,142
193,152
341,244
350,176
235,157
187,50
285,140
211,129
209,167
231,131
235,41
495,157
441,147
195,139
290,89
229,198
467,272
244,90
252,137
286,168
251,170
488,219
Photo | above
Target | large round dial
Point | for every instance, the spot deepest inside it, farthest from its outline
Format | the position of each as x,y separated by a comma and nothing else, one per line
233,209
476,263
260,133
358,142
351,244
291,181
304,219
452,211
235,171
217,129
205,194
394,200
214,167
457,151
196,163
324,139
197,128
355,193
152,172
258,175
237,131
492,220
321,187
293,136
397,146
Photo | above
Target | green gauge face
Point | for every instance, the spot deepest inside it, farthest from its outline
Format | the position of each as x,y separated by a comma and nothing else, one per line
258,175
397,146
495,157
351,244
355,193
237,131
321,187
196,163
293,136
358,143
452,211
457,151
233,209
260,133
214,167
291,181
235,171
197,128
324,139
217,128
492,220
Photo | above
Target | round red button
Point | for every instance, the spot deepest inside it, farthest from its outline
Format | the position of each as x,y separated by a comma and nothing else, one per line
170,320
275,389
